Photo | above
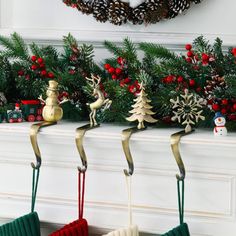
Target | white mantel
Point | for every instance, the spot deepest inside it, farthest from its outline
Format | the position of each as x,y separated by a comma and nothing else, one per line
210,179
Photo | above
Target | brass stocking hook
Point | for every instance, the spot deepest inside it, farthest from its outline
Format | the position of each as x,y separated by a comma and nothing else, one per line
80,132
175,140
34,130
126,135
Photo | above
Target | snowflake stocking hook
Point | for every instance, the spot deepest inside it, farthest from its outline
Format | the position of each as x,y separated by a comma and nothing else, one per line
187,110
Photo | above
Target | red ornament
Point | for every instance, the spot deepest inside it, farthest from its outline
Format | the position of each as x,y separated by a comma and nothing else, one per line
118,71
190,54
40,60
114,76
192,82
169,79
50,75
20,73
107,66
33,58
111,70
224,101
180,79
215,107
43,73
234,51
127,80
188,47
34,67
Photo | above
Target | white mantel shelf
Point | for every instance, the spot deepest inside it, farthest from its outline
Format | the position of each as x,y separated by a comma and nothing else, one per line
210,178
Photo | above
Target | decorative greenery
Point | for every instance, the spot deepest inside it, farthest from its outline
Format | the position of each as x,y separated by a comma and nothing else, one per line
205,70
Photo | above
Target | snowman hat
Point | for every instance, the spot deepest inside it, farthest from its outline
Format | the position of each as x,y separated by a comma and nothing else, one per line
217,115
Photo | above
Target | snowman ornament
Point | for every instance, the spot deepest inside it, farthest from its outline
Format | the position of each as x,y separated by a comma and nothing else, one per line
220,129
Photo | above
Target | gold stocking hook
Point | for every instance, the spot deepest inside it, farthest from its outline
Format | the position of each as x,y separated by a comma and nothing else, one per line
34,130
80,132
126,135
175,140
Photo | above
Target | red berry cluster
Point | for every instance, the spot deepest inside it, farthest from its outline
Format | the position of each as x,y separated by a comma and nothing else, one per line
225,106
120,74
182,83
39,66
194,58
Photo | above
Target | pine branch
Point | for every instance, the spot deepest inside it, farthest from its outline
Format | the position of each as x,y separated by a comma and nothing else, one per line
35,49
20,46
201,45
157,51
117,51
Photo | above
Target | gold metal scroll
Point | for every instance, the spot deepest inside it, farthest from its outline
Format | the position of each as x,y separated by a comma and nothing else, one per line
80,132
126,135
175,140
34,130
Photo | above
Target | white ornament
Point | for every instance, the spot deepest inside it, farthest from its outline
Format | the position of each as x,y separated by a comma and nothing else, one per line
220,129
188,110
134,3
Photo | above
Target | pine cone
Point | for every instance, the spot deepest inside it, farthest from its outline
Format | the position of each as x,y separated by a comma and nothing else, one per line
156,10
216,83
100,10
118,12
85,7
138,14
177,7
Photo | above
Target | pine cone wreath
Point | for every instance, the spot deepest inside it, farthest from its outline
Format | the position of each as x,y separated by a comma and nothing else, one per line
138,14
177,7
85,7
100,10
156,10
118,12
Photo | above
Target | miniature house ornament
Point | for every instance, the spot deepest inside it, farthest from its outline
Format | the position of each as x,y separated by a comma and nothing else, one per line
220,121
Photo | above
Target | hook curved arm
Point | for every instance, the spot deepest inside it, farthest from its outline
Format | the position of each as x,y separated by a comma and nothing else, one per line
80,132
34,130
175,140
125,136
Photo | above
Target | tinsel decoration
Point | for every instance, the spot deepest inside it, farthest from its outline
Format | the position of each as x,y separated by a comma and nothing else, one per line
100,10
118,12
187,109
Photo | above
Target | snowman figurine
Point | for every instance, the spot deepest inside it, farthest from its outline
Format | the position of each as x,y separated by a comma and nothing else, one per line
220,129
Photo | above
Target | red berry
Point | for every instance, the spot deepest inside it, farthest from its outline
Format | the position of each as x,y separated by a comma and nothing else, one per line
232,117
215,107
224,101
111,70
40,60
33,58
234,106
20,72
189,60
190,54
196,57
205,57
122,83
199,89
72,72
192,82
169,79
27,77
114,76
188,47
34,67
132,88
234,51
50,75
107,66
180,79
120,60
223,111
118,71
43,73
42,66
127,80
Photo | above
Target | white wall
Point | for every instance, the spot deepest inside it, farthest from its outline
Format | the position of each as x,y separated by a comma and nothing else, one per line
46,21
